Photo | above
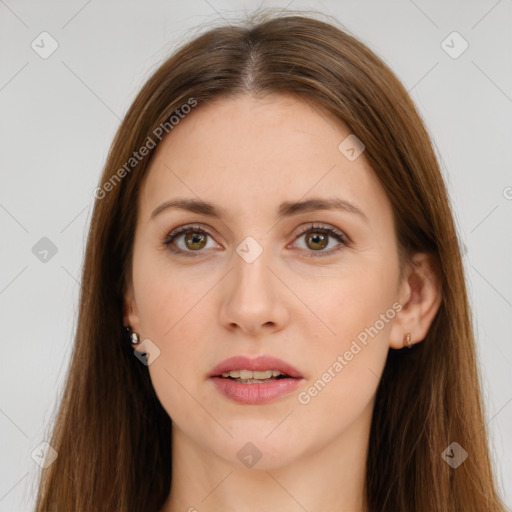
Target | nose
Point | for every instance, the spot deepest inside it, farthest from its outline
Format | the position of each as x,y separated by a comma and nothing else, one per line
255,298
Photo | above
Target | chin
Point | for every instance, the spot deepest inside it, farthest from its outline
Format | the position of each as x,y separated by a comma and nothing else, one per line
257,449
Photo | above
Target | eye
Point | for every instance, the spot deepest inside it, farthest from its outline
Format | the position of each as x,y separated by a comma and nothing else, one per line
191,239
317,239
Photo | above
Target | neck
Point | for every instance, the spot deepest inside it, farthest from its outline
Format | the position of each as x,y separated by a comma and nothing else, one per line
330,476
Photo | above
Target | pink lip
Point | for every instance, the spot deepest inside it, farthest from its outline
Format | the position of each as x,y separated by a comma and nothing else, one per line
257,393
260,363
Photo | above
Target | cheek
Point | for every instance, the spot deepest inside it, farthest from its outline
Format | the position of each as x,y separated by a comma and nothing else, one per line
349,346
342,306
177,372
174,318
172,310
168,294
346,365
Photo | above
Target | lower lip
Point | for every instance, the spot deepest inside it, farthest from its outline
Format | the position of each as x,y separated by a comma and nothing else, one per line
255,393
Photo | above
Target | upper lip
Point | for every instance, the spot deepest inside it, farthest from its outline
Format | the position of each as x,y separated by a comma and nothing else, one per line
260,363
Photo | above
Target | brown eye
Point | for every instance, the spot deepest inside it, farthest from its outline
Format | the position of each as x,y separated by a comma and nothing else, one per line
195,240
317,238
317,241
187,240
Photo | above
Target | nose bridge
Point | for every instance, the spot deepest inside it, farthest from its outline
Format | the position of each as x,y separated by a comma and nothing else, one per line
251,276
252,300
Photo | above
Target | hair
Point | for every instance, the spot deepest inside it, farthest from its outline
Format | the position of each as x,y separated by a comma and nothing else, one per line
110,430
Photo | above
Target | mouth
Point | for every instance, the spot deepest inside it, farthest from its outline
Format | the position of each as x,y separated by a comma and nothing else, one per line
254,377
261,367
255,381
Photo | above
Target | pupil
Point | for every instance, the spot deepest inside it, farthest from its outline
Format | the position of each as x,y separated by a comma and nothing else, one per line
195,239
318,238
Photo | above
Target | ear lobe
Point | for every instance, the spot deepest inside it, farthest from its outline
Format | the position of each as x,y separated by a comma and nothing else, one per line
420,297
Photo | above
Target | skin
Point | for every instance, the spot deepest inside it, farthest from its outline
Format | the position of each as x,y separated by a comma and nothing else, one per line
247,155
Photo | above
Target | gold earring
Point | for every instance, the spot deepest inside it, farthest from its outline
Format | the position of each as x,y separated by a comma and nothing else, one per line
407,340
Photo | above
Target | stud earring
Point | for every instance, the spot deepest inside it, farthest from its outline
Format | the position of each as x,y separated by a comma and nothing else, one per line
407,340
134,337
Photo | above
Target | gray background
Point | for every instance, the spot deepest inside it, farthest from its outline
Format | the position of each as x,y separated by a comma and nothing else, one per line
59,115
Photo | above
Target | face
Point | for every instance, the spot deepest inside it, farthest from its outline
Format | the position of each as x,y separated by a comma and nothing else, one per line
314,288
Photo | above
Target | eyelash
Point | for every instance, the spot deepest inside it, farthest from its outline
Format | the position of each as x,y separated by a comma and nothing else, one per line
328,230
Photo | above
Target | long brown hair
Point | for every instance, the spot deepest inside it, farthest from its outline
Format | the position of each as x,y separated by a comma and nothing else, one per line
112,434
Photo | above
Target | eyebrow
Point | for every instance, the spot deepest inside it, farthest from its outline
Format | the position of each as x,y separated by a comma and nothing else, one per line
286,208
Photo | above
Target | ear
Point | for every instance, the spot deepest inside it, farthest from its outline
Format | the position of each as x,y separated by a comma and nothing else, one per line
130,311
420,295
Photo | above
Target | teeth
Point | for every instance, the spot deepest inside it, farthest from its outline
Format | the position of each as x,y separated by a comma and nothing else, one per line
248,374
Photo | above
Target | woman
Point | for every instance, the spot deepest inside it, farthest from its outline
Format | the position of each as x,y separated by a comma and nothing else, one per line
273,312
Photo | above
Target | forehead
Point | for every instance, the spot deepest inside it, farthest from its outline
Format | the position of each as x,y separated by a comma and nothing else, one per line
247,154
